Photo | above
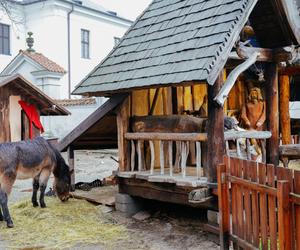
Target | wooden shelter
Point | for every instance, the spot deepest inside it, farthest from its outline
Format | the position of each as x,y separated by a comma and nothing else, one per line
14,123
184,65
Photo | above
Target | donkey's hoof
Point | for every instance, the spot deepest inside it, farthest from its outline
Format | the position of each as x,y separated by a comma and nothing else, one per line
43,205
10,224
35,204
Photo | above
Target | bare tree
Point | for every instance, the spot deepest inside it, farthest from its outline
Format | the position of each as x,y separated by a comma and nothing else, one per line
6,6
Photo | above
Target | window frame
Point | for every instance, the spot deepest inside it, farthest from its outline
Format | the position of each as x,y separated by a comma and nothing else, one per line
3,38
85,44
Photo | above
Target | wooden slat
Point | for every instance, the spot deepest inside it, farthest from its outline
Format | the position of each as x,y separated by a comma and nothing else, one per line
263,207
161,157
152,151
132,156
224,210
139,153
297,209
247,198
170,148
284,216
240,207
255,208
272,208
234,204
198,158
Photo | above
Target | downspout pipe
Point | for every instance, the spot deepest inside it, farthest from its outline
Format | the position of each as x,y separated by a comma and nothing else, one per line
69,50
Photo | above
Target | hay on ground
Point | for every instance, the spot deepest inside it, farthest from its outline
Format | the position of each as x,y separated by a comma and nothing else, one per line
59,226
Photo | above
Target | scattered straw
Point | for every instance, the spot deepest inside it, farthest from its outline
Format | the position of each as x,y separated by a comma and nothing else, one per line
59,226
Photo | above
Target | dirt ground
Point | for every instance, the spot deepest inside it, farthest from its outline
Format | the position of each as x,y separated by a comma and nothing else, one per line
169,227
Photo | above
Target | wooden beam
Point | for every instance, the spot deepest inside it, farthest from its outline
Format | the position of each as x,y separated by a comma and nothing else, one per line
285,120
167,136
290,150
272,114
123,127
215,132
154,101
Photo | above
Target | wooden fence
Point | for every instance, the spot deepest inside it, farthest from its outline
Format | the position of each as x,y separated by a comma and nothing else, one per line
259,205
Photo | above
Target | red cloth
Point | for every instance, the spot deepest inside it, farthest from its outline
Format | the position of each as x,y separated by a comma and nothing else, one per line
33,117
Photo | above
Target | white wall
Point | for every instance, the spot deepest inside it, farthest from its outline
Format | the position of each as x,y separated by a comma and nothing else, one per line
48,22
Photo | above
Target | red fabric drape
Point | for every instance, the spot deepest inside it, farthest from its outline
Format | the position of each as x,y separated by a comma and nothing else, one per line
33,117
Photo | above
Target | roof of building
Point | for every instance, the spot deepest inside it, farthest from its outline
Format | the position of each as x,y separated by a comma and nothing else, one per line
87,4
77,102
98,131
46,105
177,41
44,61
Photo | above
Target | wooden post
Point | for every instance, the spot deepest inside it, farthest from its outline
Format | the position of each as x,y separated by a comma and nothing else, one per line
272,114
123,127
284,215
285,120
71,162
224,212
215,132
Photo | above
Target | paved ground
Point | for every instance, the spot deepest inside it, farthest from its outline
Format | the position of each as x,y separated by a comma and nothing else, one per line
168,228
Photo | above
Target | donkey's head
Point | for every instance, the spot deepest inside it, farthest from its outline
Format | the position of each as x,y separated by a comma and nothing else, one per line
62,179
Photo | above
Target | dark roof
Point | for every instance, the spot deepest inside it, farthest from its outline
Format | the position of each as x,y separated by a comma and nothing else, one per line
173,41
44,61
77,102
98,131
47,105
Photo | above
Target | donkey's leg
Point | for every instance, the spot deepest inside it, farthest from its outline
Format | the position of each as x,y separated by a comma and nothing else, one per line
35,185
1,216
3,202
6,186
43,180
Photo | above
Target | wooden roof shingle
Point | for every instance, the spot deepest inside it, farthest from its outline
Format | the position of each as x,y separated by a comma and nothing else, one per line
173,41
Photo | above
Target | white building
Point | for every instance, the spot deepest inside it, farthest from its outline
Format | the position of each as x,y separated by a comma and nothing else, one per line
74,34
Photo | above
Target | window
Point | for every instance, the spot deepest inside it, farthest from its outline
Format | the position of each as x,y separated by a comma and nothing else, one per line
4,39
85,44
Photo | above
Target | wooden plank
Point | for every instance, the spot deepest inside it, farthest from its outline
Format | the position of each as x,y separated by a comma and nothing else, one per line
255,207
154,101
188,98
285,120
180,107
239,202
263,207
224,210
272,208
290,150
132,165
234,197
215,131
167,100
247,199
103,195
152,156
272,113
297,209
233,135
140,102
123,128
284,216
199,93
167,136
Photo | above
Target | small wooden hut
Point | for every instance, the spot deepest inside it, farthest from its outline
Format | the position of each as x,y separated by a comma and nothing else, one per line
15,124
184,64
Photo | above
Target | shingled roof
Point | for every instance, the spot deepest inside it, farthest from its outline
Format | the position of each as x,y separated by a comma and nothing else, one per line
173,41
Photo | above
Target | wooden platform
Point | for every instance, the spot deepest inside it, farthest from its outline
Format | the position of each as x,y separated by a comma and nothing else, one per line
190,180
102,195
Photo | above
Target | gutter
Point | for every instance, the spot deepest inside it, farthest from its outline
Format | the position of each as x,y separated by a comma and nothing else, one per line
69,50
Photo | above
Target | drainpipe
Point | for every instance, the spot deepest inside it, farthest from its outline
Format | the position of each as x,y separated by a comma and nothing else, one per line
69,51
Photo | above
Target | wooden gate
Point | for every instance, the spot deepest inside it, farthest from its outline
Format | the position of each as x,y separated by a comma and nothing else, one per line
259,205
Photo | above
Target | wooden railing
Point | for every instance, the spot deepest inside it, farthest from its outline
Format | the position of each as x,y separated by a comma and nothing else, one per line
180,140
165,143
259,206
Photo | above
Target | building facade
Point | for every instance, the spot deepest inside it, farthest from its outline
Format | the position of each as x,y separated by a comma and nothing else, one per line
74,34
